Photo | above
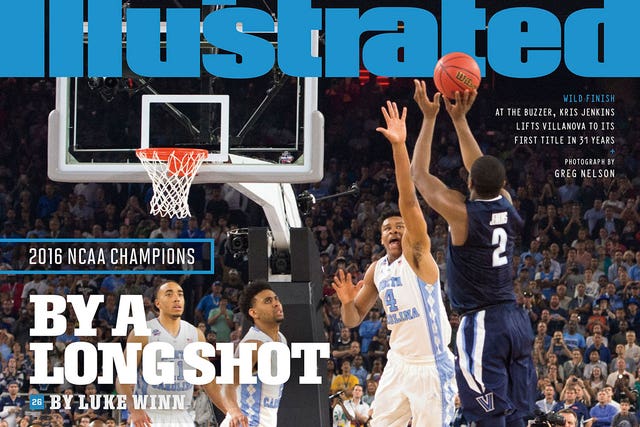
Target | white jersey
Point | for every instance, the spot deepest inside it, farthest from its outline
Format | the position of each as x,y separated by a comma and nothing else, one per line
180,387
419,378
415,310
260,402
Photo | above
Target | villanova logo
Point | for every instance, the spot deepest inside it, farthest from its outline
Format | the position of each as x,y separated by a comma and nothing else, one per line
486,401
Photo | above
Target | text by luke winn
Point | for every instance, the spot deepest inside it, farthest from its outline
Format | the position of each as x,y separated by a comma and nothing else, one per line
160,362
118,401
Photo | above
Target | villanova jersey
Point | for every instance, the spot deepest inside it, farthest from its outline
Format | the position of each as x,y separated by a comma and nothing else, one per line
480,273
414,309
187,334
259,402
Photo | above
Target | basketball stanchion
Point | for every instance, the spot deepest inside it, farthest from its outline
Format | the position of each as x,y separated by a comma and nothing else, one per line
171,171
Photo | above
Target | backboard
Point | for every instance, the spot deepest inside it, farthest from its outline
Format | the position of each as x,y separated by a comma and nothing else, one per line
265,129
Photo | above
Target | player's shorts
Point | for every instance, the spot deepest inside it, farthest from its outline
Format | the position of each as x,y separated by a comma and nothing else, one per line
494,368
423,389
170,418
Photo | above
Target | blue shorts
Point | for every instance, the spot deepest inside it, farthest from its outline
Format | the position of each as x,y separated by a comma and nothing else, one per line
494,368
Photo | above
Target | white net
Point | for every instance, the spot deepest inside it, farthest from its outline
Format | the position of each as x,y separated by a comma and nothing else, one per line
171,171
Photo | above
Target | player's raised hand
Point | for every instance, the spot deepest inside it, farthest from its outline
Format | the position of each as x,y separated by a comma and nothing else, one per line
396,130
464,101
344,288
429,108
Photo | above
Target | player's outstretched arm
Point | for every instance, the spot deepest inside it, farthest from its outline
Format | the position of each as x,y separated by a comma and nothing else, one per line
356,300
448,203
468,145
415,241
396,134
137,417
458,113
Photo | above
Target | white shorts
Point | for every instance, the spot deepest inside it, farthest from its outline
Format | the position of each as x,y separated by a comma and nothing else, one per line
413,390
166,418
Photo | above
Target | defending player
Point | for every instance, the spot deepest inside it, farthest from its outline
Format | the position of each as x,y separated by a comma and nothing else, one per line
418,380
258,402
170,328
494,369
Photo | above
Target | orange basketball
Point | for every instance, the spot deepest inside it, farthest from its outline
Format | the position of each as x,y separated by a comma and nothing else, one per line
456,71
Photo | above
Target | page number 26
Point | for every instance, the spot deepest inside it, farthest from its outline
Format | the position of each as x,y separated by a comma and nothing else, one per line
499,238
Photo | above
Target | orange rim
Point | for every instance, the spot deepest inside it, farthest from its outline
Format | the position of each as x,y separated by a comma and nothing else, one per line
163,153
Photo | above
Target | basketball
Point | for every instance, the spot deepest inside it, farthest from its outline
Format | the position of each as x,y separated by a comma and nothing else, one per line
456,71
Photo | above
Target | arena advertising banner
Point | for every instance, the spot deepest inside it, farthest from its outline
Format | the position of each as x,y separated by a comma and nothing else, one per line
179,298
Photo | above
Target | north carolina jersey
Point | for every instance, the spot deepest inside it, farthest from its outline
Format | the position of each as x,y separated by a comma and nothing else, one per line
414,309
180,387
480,272
418,380
260,402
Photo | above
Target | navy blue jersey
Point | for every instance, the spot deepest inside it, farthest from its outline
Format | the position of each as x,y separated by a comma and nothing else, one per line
480,273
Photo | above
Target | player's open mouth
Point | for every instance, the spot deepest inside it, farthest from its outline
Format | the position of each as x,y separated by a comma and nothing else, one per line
394,242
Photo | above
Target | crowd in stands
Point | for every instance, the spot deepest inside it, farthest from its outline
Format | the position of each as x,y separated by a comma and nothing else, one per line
577,269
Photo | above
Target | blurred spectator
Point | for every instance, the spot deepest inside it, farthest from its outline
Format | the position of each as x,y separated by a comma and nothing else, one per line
11,404
209,301
593,361
369,329
572,338
109,313
358,369
48,202
632,350
220,320
345,381
575,365
599,346
609,222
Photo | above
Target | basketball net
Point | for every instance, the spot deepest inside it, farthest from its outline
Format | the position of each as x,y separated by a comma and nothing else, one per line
171,171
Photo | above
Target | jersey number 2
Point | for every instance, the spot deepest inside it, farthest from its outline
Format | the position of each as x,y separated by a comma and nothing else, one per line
499,238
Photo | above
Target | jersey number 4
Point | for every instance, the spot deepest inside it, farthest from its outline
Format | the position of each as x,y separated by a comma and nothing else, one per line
390,300
499,238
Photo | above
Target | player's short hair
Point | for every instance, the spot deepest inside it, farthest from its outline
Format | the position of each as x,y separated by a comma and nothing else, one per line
156,289
488,176
388,214
247,298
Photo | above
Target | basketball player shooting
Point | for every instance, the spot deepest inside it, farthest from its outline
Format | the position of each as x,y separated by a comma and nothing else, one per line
418,380
494,369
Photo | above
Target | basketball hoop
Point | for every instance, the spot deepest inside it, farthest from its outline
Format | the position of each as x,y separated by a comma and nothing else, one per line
171,171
